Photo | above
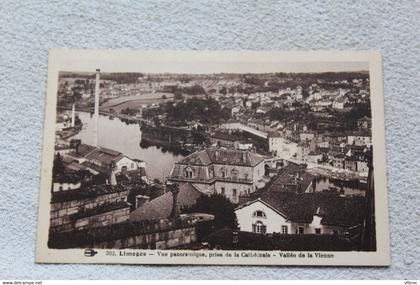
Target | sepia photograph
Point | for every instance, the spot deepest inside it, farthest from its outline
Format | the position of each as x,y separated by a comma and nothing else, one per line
263,155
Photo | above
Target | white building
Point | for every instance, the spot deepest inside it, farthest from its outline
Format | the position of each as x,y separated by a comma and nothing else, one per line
104,160
64,184
283,214
281,147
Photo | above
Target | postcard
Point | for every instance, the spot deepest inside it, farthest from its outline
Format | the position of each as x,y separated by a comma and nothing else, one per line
214,157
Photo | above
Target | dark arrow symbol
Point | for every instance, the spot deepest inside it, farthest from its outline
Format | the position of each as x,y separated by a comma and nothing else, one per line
90,252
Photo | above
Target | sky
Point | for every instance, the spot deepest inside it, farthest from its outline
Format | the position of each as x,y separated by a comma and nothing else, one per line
209,62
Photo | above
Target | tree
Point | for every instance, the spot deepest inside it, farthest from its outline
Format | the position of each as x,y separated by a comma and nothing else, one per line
178,95
75,143
58,166
77,121
223,90
219,206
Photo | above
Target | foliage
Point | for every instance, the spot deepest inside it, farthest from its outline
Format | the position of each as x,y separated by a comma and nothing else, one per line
129,111
217,205
58,165
202,110
103,208
178,95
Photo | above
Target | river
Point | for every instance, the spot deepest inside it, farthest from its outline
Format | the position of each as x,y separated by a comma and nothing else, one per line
117,135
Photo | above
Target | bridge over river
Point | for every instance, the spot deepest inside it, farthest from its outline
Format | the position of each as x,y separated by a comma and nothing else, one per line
245,128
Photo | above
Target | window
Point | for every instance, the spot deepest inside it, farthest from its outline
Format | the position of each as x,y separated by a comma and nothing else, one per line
335,232
132,165
222,190
235,172
259,214
301,230
234,192
223,172
284,230
259,228
318,231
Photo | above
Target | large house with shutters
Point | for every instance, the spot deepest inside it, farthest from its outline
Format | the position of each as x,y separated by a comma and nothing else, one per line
225,171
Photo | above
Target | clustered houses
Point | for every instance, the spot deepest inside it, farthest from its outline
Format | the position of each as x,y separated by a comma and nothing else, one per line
231,140
224,171
89,191
339,150
291,205
100,160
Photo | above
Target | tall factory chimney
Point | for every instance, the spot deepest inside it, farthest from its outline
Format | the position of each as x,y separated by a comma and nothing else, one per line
96,114
72,116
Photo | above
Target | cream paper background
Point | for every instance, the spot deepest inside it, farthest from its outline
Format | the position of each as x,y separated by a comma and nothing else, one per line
29,28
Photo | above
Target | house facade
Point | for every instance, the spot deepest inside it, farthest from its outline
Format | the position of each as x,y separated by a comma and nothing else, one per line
103,160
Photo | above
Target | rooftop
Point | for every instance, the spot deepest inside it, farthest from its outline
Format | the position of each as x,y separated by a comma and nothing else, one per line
161,207
222,156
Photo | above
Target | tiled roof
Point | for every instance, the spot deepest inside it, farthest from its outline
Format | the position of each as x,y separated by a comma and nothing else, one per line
99,154
74,167
100,169
292,179
83,150
104,155
161,207
300,208
222,156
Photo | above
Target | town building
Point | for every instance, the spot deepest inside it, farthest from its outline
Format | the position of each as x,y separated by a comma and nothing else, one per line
289,213
281,147
339,103
306,136
223,171
364,123
103,160
161,207
360,139
337,159
224,139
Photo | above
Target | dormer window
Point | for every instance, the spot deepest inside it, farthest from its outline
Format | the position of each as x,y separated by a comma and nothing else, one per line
189,172
259,214
223,172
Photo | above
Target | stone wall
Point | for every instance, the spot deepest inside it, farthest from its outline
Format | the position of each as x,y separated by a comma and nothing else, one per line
61,211
103,219
154,240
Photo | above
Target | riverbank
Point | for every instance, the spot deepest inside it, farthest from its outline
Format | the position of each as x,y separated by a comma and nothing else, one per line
66,134
125,138
164,146
329,171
